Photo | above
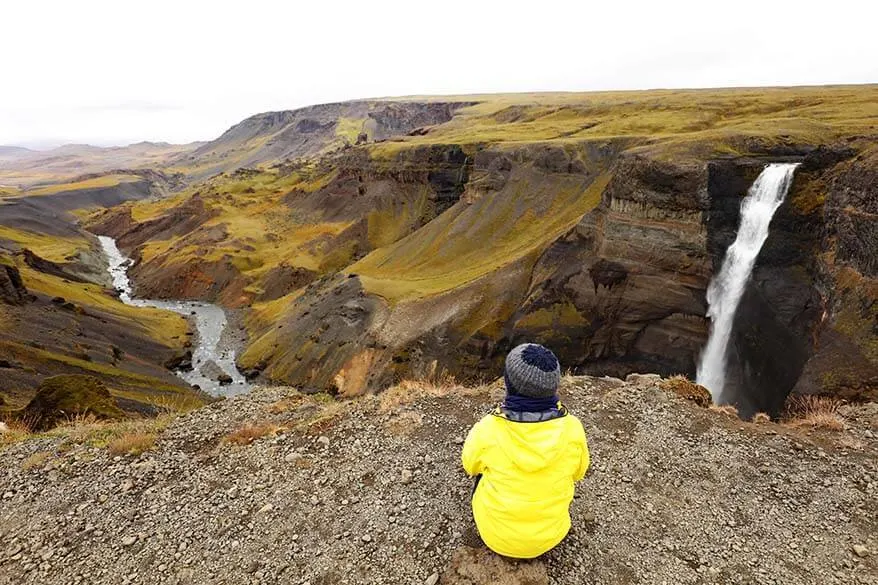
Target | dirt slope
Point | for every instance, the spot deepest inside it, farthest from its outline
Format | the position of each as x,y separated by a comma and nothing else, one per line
370,491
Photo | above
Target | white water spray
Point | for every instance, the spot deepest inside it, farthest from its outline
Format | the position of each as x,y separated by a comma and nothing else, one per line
727,287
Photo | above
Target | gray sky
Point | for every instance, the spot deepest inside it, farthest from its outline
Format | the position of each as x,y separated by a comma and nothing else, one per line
115,72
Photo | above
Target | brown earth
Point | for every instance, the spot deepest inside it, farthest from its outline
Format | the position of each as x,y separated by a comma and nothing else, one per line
279,487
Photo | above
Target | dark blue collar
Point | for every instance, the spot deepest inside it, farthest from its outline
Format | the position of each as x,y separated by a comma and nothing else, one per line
527,416
517,403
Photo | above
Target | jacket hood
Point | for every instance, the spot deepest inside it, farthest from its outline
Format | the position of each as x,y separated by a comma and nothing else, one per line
532,446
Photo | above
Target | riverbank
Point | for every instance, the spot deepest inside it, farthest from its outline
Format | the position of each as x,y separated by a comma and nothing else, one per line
214,347
277,487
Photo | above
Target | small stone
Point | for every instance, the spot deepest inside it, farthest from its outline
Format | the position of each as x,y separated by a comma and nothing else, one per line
266,508
315,500
406,476
367,538
292,457
128,540
432,579
323,440
861,551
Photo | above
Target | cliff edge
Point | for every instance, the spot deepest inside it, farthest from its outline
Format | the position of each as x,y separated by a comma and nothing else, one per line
281,487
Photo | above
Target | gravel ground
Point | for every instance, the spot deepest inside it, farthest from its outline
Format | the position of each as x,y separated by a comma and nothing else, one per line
359,493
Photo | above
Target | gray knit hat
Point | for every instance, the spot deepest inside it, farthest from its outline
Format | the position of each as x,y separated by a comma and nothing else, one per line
533,371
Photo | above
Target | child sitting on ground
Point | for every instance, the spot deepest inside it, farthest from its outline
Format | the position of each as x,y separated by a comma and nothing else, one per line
526,456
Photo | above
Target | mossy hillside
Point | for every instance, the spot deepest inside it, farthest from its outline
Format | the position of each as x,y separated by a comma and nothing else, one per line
524,217
53,248
265,219
674,122
134,387
857,311
348,129
67,397
92,183
165,327
552,318
396,218
233,155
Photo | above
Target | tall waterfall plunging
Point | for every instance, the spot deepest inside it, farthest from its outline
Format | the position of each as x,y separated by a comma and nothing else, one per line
727,286
210,322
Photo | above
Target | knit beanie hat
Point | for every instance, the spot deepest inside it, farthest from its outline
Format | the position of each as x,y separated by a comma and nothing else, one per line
532,371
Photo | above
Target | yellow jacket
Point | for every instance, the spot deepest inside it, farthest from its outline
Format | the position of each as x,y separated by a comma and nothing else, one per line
521,505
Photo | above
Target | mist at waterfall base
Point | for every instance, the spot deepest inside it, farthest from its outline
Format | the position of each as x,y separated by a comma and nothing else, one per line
726,288
210,322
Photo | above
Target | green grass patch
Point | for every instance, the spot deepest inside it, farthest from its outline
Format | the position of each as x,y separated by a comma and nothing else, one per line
53,248
509,225
349,128
166,327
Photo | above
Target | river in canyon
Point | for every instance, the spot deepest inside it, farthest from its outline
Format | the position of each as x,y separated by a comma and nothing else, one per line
209,320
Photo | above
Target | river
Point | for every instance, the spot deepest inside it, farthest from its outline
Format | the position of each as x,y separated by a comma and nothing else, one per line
210,322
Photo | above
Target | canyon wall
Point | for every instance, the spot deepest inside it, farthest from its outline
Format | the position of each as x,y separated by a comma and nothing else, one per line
412,256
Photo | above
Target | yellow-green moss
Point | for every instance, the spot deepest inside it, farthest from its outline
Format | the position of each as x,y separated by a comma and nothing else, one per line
558,315
94,183
53,248
349,128
165,327
441,256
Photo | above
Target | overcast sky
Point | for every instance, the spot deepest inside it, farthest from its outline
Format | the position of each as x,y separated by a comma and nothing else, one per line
116,72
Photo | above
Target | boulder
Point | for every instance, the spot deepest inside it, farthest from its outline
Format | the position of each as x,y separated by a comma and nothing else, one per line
65,397
182,360
12,289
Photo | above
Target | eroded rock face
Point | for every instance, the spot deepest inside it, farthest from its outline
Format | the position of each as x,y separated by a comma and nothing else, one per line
119,224
325,342
12,289
624,290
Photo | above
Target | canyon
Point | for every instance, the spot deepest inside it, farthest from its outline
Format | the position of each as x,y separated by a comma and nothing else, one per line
361,243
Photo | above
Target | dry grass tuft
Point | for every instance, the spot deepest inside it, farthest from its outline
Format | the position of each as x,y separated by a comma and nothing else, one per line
726,409
16,430
815,412
132,443
113,435
432,385
761,418
250,432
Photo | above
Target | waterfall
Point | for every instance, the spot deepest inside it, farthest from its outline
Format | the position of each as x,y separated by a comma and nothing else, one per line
727,287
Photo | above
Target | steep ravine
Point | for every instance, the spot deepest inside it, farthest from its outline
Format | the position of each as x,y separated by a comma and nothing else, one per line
478,249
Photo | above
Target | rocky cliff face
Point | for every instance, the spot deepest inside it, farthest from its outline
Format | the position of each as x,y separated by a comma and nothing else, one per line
12,289
302,133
